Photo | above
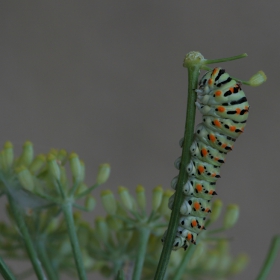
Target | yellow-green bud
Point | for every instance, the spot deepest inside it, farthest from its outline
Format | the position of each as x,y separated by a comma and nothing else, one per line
200,250
90,202
114,223
37,163
101,228
27,154
163,208
25,178
53,167
216,210
75,166
223,247
231,216
257,79
238,264
157,197
63,176
62,156
212,260
103,173
53,224
141,197
81,188
109,202
54,152
8,154
83,170
125,198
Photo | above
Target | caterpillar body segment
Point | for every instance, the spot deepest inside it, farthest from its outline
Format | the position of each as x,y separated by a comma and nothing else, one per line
225,111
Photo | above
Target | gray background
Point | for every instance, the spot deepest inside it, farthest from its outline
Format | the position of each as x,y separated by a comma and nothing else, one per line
105,79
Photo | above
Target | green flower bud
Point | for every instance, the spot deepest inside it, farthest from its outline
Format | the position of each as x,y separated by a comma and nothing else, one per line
200,250
163,208
103,173
223,247
53,167
102,230
109,202
8,154
75,166
81,188
37,163
27,154
83,170
90,202
216,210
2,159
238,264
54,152
231,216
157,197
257,79
141,197
53,225
212,261
25,178
62,156
125,198
63,176
114,223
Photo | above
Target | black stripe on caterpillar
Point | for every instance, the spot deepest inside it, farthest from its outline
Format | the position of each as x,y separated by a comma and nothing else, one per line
225,109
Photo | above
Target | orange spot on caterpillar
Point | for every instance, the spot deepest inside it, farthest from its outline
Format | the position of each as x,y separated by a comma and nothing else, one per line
218,93
238,111
200,168
221,109
204,152
210,192
232,128
231,89
199,188
213,175
216,158
212,138
196,206
215,70
224,145
217,123
210,82
207,210
194,223
189,237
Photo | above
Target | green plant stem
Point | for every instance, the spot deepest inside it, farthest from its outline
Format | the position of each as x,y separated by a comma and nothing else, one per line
5,271
193,71
18,216
144,234
182,266
211,61
46,263
270,258
67,210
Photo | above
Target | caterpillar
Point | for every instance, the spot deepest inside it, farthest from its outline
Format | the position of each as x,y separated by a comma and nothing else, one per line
225,109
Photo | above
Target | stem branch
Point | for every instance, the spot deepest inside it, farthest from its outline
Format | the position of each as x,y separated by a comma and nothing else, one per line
67,210
270,258
5,271
18,216
144,234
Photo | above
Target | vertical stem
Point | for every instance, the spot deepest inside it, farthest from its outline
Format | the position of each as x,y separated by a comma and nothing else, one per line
144,234
67,210
270,258
47,265
5,271
193,72
17,213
